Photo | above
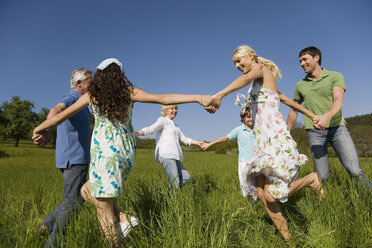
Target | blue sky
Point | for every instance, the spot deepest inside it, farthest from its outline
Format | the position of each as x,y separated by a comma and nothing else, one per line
181,47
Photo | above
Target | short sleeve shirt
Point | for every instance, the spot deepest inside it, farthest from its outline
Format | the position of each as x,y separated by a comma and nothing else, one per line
317,96
245,139
73,136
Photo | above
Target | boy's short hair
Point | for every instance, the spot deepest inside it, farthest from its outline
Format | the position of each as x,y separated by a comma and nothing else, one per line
164,108
247,111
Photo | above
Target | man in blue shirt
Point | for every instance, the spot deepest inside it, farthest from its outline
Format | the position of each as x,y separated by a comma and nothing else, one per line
72,156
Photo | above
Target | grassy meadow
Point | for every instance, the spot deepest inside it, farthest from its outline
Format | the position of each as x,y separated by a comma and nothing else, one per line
208,212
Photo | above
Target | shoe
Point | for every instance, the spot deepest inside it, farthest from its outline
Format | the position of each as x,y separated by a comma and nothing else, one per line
126,227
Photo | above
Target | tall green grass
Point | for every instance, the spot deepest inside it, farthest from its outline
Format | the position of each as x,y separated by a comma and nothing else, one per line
208,212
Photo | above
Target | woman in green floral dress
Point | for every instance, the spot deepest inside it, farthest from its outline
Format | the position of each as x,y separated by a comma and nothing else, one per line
276,161
111,96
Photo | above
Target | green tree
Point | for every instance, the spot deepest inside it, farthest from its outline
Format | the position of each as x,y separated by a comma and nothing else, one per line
43,114
18,119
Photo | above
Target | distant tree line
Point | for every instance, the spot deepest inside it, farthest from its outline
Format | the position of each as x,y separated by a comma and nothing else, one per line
360,128
145,143
17,120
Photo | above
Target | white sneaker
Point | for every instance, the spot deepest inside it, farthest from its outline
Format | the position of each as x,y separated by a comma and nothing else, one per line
126,227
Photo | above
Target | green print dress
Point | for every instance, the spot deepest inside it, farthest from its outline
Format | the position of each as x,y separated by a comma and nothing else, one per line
112,153
275,153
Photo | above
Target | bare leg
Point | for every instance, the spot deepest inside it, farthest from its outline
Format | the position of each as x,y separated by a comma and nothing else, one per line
105,213
86,193
272,208
312,180
120,215
106,217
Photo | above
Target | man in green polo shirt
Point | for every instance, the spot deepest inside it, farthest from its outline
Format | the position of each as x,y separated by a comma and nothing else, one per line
322,92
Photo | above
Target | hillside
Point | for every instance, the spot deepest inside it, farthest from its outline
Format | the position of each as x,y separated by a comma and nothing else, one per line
359,120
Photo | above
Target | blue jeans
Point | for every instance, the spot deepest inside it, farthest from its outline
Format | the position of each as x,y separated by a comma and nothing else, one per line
74,177
342,143
177,174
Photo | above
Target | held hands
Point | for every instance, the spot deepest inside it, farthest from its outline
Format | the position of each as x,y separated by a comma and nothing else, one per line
42,138
323,121
205,100
320,122
139,133
213,104
204,145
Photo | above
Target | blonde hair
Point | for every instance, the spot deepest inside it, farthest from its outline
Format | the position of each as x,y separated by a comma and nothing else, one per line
244,50
164,108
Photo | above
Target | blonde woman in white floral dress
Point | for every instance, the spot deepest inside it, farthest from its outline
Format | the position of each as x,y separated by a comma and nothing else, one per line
276,161
111,96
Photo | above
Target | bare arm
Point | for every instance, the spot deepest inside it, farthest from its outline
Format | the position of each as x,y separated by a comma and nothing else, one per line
240,82
296,106
139,95
56,110
292,116
43,138
57,119
205,146
196,142
258,71
338,99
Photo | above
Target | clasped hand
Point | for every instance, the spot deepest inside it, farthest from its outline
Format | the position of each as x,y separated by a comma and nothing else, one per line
211,103
320,122
42,138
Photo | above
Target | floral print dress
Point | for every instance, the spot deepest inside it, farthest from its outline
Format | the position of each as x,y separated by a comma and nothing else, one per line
112,152
275,152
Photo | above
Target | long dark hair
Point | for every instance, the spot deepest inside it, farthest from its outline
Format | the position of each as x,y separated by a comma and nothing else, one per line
110,92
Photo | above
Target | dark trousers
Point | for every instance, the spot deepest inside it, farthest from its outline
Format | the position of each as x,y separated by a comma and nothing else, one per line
74,177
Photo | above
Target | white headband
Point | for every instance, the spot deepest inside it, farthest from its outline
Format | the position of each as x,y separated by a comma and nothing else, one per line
108,62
